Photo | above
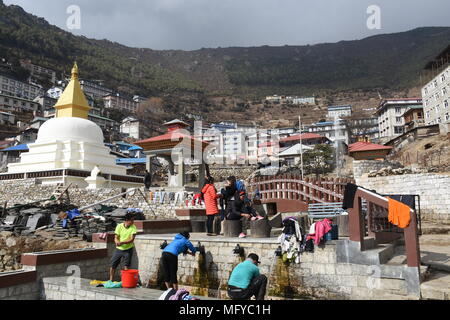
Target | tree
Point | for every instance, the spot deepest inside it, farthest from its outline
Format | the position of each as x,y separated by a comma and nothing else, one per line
318,160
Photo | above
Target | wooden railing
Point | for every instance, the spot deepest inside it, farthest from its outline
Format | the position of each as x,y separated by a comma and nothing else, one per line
292,187
360,225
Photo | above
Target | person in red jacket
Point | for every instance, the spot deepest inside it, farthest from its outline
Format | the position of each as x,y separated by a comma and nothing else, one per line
210,197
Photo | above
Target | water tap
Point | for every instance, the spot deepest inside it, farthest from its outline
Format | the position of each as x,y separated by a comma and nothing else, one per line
163,245
279,252
200,248
238,250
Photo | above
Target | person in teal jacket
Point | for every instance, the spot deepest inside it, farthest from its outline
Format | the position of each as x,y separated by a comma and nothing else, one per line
246,281
180,244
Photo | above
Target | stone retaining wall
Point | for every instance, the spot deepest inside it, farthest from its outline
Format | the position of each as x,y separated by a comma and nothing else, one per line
86,263
434,191
361,167
56,288
317,276
11,248
19,285
26,284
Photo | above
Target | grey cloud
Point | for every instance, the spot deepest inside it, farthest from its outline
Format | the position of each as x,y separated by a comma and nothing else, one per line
192,24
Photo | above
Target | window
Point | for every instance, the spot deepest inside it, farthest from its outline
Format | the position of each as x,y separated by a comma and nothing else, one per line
447,117
398,119
446,104
444,91
437,108
398,130
397,110
439,120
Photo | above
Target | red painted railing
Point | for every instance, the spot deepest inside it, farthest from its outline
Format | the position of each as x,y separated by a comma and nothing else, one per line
292,187
359,225
361,222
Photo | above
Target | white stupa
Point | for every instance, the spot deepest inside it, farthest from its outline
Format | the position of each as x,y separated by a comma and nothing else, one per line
69,141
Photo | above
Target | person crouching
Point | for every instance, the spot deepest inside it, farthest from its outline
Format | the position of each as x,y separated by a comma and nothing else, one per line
246,281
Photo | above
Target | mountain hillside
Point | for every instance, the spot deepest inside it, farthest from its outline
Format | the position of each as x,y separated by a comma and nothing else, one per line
390,61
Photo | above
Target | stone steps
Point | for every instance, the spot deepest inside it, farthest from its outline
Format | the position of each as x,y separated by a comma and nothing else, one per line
435,239
436,287
434,228
350,252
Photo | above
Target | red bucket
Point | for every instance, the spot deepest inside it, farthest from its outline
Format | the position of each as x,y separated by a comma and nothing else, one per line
130,278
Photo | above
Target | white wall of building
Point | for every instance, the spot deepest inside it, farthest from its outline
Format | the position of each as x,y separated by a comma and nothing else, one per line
436,99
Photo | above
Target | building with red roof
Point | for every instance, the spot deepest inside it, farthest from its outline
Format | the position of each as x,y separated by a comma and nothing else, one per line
306,139
177,147
368,151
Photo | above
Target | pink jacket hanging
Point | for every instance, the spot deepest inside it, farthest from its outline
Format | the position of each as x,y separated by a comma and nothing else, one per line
322,227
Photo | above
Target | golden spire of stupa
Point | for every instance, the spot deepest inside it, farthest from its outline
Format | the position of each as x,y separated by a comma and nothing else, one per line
75,71
72,102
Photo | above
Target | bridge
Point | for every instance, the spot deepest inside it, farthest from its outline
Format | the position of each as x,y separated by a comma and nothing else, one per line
368,219
288,192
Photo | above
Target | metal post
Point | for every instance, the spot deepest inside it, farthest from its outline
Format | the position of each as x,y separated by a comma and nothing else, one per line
301,144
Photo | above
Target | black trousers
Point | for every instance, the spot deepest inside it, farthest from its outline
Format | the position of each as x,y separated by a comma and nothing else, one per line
256,288
210,223
170,267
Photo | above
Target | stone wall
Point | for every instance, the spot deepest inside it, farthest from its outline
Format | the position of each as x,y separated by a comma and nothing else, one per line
434,191
361,167
57,288
11,248
18,285
91,263
28,291
26,283
317,276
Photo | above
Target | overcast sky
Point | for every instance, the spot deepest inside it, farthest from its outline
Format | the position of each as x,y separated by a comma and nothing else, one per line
193,24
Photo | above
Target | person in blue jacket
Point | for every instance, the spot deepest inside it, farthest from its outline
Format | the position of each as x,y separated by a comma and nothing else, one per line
180,244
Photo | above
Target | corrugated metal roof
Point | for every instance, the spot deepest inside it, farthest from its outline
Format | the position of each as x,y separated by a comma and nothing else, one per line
20,147
304,136
131,160
366,146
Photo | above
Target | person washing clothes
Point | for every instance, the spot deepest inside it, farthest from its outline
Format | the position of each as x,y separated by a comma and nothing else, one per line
210,196
125,234
246,281
170,255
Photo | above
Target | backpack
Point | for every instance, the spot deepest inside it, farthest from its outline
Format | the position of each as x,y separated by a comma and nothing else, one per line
240,186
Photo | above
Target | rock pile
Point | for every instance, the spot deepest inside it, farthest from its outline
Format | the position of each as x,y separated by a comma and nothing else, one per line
64,221
12,247
389,171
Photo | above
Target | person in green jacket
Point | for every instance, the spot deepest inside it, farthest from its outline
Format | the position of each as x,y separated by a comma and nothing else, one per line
124,238
246,281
